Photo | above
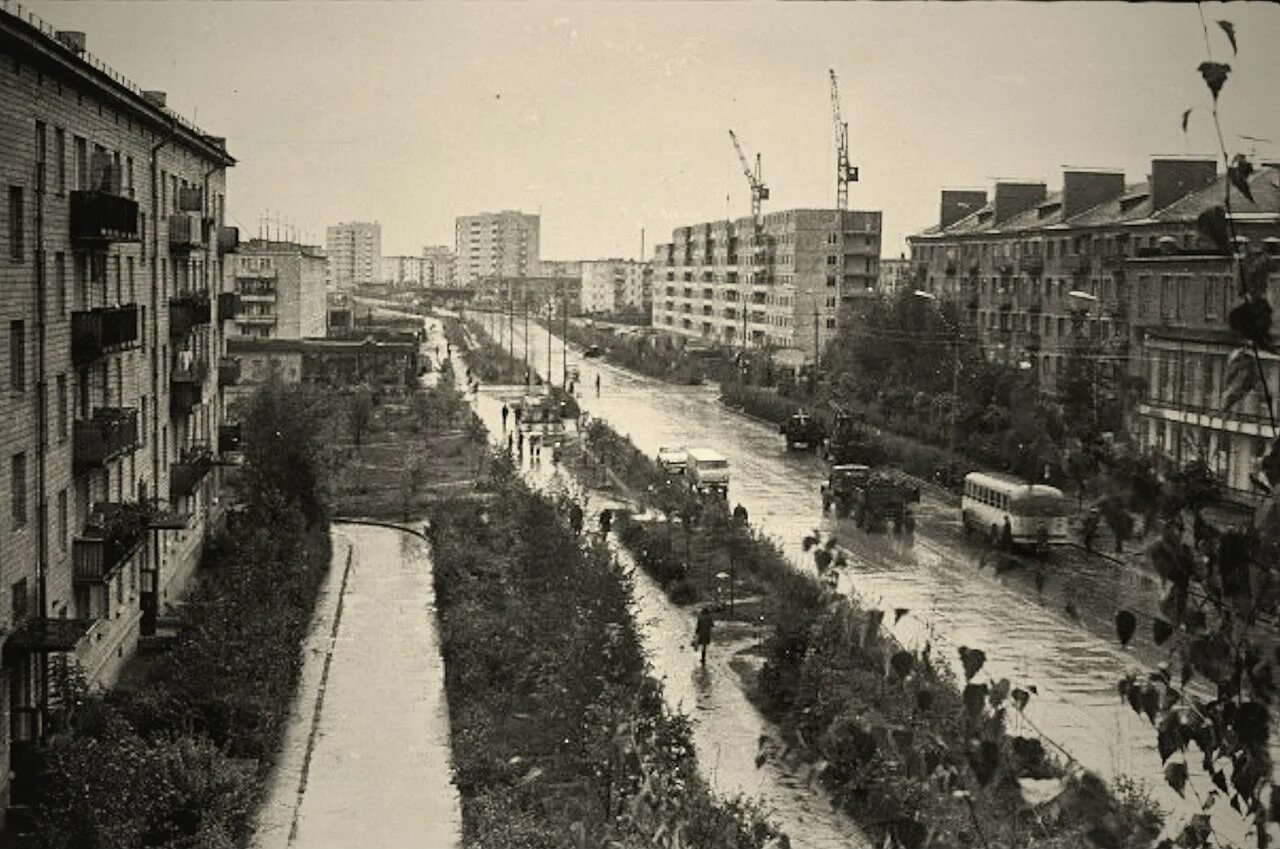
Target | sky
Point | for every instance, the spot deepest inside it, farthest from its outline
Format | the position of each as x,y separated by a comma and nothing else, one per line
610,118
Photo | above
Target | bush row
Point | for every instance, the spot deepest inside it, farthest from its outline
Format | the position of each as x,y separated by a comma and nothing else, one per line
559,735
178,760
652,356
915,756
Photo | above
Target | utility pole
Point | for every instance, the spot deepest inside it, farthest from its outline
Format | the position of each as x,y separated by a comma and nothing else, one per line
511,323
551,317
564,334
524,292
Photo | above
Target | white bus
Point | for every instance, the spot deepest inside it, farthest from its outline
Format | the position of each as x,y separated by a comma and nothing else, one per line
1035,513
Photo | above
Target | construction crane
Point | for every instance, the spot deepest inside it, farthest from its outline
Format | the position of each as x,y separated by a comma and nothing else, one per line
845,173
759,191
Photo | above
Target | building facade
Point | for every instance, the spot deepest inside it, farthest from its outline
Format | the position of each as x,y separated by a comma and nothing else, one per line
1026,264
439,264
281,289
614,286
496,244
403,272
354,250
111,289
895,275
779,284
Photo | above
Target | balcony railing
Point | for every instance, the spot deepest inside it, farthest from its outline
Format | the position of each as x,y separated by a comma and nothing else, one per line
111,431
1002,265
188,369
184,396
185,232
98,332
186,310
102,217
190,199
112,535
185,477
228,371
228,438
228,305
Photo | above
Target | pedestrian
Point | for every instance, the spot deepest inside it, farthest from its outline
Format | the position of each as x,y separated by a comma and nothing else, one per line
575,518
740,514
555,454
597,384
519,415
702,632
1006,535
571,387
520,441
606,521
506,411
509,443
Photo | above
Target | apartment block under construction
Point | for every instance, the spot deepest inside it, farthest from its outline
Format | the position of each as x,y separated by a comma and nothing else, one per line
777,284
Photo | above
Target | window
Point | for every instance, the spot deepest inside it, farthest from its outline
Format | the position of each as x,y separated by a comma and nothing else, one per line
18,597
17,356
60,167
82,164
62,520
62,408
18,488
42,154
16,220
60,280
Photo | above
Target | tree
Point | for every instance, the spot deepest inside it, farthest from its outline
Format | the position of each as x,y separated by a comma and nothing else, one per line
360,415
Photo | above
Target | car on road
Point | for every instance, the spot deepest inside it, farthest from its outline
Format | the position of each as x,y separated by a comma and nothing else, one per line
672,460
707,471
592,352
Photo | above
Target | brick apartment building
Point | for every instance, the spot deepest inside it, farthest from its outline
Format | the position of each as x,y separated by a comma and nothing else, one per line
779,285
281,289
614,285
1124,266
111,270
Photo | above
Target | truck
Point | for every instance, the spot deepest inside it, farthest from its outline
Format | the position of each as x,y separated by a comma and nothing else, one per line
851,442
707,471
803,431
875,499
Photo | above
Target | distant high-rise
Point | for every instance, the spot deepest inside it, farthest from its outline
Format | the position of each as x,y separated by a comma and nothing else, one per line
282,290
355,254
496,244
438,266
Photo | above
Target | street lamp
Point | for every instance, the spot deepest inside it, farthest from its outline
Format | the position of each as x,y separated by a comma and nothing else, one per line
955,372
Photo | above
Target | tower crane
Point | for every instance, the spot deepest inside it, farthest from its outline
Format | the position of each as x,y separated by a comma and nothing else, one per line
759,191
845,173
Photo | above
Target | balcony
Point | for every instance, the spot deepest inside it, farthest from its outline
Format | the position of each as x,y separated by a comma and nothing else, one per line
228,438
186,310
228,371
1002,265
190,199
98,332
112,535
1033,342
185,232
228,305
1034,304
185,477
228,240
111,431
184,397
951,268
102,218
1033,265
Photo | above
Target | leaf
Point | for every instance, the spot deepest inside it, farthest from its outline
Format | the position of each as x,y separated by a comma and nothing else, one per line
1176,776
972,661
984,759
975,696
898,613
1212,224
1238,172
1019,697
1215,76
999,692
1160,631
809,542
1186,115
1230,29
1126,624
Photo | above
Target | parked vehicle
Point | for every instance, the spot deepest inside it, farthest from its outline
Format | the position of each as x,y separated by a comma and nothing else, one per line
541,414
803,431
592,352
1011,512
707,471
672,460
875,499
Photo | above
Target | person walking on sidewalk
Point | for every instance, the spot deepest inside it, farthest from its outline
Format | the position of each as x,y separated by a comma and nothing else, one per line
506,411
606,521
702,632
597,384
575,519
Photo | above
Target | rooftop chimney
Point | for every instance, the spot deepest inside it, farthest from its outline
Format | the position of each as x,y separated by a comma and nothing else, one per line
155,98
1083,190
957,203
1012,198
1174,179
73,40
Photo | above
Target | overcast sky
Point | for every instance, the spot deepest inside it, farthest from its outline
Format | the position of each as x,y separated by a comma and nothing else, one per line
607,118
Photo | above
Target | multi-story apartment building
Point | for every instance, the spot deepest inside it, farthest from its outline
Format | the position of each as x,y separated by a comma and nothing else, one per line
438,266
112,255
616,285
1178,306
496,244
354,251
780,284
1014,262
560,268
403,272
895,275
281,289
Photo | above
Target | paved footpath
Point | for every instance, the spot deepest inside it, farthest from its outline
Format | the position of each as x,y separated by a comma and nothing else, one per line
366,757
